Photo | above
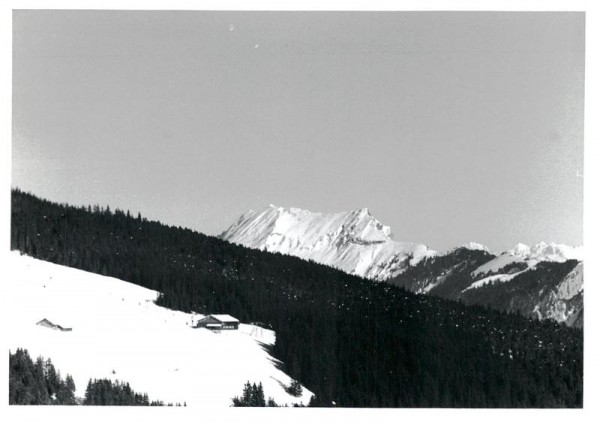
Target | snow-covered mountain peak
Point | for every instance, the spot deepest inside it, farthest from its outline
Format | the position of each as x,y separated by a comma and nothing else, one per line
472,246
296,223
519,249
475,247
353,241
363,212
546,252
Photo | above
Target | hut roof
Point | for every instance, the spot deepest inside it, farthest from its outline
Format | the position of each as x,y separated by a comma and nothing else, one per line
224,318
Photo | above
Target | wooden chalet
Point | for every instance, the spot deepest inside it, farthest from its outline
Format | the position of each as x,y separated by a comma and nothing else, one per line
218,322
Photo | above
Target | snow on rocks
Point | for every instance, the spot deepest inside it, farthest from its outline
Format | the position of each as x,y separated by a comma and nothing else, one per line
572,284
475,247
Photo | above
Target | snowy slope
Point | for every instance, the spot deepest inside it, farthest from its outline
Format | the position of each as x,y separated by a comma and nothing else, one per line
354,241
531,255
117,327
496,278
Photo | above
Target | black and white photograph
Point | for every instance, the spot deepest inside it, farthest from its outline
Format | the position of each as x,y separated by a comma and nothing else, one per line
377,209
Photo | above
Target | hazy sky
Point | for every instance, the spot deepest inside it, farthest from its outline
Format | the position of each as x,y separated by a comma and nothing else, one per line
449,127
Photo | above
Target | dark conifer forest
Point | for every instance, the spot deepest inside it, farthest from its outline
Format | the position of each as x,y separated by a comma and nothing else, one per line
37,383
349,340
105,392
253,396
40,383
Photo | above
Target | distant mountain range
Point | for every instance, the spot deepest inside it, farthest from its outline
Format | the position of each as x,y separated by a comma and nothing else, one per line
541,281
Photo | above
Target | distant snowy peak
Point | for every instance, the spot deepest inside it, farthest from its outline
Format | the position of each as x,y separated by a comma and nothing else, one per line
272,224
296,221
472,246
353,241
547,252
475,247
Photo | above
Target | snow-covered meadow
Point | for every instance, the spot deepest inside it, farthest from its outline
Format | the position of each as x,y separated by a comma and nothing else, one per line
119,333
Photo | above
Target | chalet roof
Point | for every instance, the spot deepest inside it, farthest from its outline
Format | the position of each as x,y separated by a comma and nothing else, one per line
47,322
224,318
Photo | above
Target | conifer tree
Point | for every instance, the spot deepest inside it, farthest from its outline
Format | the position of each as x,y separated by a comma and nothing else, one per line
295,388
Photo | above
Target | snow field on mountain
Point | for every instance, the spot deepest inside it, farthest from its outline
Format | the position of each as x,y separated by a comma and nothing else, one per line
531,255
119,333
498,278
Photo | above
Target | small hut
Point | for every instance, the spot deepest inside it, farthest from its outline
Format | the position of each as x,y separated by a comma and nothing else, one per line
46,323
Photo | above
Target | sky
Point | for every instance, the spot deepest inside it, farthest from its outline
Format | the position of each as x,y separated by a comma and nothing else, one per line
450,127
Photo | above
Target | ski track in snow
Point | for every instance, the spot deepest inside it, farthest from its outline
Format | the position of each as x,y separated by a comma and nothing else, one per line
116,327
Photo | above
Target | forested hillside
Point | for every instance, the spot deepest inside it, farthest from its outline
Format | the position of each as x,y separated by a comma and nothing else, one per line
349,340
443,276
528,291
40,383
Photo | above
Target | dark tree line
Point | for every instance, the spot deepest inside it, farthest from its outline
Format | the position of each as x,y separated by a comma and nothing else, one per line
347,339
253,396
105,392
37,382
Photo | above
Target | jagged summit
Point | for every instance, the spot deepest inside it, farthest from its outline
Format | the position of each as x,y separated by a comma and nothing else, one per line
353,241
